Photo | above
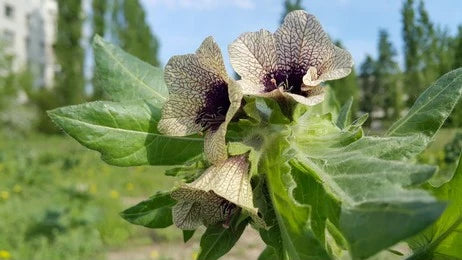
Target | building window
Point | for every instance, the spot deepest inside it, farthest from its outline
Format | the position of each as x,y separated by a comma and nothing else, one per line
9,11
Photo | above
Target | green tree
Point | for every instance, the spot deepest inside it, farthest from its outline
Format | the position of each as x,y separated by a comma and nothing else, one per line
99,10
291,5
133,33
455,119
412,76
367,84
69,53
347,87
7,89
429,54
458,49
388,93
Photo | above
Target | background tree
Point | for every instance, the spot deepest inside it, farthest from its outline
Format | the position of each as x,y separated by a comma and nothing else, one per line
458,49
412,77
429,53
132,32
99,10
291,5
69,53
367,84
386,75
347,87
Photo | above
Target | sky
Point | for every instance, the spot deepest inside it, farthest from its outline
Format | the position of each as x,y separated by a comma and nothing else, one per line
181,25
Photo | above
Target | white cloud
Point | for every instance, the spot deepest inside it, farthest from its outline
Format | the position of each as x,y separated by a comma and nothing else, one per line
201,4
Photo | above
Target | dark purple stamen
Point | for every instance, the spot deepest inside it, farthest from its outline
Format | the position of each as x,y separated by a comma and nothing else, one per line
227,211
216,106
290,80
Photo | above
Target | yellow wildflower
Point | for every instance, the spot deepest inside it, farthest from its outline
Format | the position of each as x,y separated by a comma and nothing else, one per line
129,186
114,194
154,254
4,195
5,254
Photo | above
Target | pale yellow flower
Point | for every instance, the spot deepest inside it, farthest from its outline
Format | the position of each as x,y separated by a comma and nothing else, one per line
215,196
291,63
202,98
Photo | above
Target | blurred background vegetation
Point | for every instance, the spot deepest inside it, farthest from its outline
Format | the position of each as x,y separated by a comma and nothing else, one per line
60,201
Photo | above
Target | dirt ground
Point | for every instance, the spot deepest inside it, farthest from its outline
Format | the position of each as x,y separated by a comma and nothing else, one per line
249,247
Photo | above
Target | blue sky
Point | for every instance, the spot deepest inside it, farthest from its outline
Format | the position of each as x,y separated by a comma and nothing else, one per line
181,25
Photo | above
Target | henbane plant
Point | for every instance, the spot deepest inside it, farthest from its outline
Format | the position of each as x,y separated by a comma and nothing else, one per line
270,151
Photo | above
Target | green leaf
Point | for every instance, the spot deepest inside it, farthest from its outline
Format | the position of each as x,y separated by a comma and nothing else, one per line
190,170
432,107
298,237
273,239
125,133
443,239
124,77
362,183
344,117
155,212
217,240
269,253
329,105
187,235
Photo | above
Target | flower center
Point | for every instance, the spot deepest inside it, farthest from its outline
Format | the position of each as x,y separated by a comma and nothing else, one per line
216,105
291,80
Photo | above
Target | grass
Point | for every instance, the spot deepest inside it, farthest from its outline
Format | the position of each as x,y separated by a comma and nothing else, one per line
58,200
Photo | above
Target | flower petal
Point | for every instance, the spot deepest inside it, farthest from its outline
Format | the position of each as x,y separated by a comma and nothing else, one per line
186,215
229,180
189,78
301,42
198,207
253,55
250,88
214,141
315,97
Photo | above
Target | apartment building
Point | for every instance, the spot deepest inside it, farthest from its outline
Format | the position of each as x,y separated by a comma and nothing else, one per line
28,31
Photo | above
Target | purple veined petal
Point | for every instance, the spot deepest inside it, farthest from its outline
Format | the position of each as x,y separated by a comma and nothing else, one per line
219,192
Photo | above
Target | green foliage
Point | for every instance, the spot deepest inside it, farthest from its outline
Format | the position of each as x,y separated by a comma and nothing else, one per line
291,5
187,235
217,240
411,51
63,201
99,10
101,125
443,239
458,47
69,53
364,177
319,184
347,87
155,212
432,108
367,83
453,149
344,117
124,77
133,32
